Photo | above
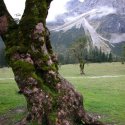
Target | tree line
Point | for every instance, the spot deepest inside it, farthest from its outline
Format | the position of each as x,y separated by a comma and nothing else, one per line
66,54
97,55
94,55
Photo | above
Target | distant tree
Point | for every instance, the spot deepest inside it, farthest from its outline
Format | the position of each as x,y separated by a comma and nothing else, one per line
78,50
51,100
123,54
110,58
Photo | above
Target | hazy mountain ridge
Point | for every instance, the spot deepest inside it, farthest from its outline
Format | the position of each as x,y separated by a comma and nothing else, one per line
112,24
68,37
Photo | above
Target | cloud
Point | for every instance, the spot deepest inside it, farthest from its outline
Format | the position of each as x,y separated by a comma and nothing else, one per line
81,0
57,7
101,11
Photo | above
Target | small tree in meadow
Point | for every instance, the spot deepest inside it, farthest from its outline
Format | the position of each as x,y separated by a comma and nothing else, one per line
123,54
78,50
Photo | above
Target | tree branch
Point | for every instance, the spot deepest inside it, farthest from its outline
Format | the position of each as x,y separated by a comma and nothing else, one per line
3,9
5,18
36,8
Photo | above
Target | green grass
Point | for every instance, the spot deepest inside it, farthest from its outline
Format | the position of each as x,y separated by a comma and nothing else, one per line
6,73
95,69
9,97
103,96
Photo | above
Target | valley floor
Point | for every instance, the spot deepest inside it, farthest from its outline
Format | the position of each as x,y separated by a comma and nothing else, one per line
103,88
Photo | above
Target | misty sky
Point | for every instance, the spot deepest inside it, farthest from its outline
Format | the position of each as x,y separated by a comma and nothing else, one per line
57,7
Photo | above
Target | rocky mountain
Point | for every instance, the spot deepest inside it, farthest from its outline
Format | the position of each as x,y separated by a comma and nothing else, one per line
104,7
94,39
68,36
103,21
113,27
87,5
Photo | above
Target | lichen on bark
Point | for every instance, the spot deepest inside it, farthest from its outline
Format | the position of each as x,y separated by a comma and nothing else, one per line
51,100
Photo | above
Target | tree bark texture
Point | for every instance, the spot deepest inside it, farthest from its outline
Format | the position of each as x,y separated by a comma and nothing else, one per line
51,100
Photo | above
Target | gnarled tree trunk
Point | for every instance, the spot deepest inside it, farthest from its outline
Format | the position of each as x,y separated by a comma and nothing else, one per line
51,100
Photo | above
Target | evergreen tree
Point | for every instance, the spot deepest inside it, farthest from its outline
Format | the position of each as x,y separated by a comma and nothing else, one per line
110,58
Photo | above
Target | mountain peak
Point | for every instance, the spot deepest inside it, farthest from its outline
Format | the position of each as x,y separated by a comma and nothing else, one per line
80,21
102,21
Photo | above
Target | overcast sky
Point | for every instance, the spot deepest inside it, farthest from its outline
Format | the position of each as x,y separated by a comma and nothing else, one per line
57,7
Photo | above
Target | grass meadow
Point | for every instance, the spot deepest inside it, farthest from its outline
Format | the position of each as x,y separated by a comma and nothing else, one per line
103,88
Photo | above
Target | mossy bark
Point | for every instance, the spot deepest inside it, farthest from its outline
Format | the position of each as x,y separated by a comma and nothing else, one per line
51,100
